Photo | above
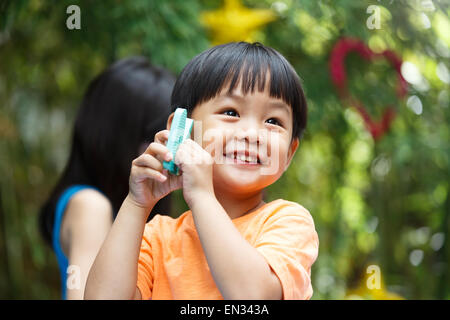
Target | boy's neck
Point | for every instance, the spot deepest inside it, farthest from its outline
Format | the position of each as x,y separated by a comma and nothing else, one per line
237,206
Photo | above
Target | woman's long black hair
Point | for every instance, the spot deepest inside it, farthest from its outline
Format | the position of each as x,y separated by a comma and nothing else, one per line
123,107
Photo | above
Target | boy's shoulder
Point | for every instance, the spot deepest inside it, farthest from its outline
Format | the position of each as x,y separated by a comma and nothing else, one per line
289,203
282,207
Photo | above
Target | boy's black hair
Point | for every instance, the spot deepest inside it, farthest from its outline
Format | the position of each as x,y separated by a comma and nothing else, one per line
123,107
207,73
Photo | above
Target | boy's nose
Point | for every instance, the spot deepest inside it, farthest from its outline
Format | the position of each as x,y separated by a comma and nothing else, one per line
251,135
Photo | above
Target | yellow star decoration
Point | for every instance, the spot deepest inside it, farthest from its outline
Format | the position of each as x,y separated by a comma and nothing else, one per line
363,292
234,22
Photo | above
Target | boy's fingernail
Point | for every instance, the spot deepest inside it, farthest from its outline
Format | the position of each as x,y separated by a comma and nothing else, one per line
168,156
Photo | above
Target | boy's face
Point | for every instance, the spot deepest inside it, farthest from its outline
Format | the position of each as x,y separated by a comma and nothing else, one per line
255,124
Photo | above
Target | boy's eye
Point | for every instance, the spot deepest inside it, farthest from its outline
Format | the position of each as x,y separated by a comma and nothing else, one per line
229,112
276,121
232,113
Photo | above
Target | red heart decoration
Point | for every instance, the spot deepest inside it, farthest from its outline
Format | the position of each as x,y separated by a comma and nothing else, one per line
339,78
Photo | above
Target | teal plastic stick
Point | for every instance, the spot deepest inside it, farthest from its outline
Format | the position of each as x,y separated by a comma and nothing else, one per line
179,131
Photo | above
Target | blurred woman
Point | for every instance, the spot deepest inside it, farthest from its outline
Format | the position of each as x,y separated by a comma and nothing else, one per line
119,116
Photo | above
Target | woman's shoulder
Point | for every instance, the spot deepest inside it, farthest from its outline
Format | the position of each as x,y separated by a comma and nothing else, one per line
89,200
86,208
89,196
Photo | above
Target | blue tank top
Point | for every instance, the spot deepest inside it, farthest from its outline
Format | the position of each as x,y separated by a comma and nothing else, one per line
61,205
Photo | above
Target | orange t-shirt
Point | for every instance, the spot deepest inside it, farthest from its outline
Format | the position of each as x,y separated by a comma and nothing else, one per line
172,264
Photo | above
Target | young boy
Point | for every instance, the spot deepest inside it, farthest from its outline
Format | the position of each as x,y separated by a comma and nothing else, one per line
230,244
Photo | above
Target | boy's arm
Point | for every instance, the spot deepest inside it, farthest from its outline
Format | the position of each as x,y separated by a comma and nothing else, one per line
238,269
114,272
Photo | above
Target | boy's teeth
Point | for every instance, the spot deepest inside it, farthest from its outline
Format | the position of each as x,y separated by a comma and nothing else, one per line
242,157
247,159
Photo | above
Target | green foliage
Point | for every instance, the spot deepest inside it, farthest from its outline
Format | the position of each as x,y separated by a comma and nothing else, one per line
372,202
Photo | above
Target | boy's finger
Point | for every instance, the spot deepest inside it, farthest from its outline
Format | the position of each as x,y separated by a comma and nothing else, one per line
162,136
146,160
158,150
144,172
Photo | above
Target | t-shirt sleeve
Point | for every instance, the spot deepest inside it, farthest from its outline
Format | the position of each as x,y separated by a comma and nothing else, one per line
145,265
290,245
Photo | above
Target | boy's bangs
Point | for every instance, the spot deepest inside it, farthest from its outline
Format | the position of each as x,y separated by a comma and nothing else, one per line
250,70
226,66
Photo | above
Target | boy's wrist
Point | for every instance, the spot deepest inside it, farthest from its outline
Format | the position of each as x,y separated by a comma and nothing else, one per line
137,208
200,196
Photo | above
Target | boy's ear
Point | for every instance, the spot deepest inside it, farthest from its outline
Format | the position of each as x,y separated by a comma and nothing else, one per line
169,120
292,148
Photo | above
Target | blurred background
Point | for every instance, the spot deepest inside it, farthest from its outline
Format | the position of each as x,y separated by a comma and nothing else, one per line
378,193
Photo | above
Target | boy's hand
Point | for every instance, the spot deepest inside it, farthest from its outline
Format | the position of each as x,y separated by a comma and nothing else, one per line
196,165
149,182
